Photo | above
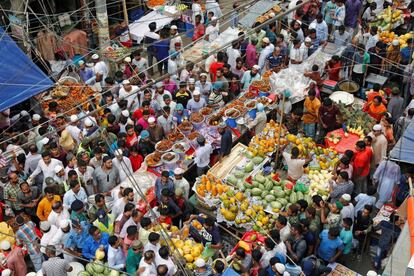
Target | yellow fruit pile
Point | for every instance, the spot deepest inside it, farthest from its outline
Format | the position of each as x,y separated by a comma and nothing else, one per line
265,142
388,37
189,249
210,186
305,145
237,208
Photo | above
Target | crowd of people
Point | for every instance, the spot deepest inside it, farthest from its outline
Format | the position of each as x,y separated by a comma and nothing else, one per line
63,168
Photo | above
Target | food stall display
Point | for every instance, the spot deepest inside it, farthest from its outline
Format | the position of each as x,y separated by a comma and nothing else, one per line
264,143
389,19
239,210
208,189
260,12
68,95
203,47
355,118
387,37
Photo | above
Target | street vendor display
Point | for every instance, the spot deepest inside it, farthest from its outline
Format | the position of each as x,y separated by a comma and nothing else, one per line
389,19
67,95
139,28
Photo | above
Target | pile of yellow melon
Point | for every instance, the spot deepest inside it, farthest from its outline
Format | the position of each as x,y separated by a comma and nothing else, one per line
210,186
189,249
388,37
264,143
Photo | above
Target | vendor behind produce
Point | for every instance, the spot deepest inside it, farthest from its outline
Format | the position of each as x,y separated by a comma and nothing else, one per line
209,232
202,155
259,123
295,164
226,140
163,182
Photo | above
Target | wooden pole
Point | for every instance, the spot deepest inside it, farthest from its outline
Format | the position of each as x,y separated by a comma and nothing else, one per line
124,7
280,132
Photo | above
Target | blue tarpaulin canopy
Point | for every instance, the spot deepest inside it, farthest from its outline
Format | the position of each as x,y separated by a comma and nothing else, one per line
404,149
20,78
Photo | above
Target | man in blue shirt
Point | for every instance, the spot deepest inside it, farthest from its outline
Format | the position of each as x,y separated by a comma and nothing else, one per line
163,182
276,58
330,245
390,230
406,52
315,42
77,237
162,48
226,140
95,240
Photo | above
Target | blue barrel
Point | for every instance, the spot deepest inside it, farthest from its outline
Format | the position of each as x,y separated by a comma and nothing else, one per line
189,27
252,113
231,122
263,94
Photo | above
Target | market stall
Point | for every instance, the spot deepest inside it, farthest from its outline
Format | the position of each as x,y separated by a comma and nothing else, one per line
203,47
67,95
260,12
292,78
139,28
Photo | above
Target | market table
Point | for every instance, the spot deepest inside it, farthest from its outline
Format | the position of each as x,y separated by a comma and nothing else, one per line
211,213
345,143
139,28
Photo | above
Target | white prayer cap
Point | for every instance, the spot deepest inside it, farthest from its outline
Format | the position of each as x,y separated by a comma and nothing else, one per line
173,27
125,82
44,141
81,62
7,272
130,122
257,67
178,171
88,122
395,42
24,113
45,225
191,80
214,18
266,40
64,223
372,273
159,84
95,56
200,262
346,197
58,168
308,39
127,59
36,117
125,113
151,120
119,152
196,92
73,118
280,268
377,127
5,245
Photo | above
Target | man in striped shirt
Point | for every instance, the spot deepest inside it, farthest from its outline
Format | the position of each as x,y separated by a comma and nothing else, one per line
26,235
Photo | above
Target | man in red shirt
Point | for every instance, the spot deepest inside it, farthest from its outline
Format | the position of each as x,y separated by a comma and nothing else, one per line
135,158
333,67
362,160
216,65
131,138
146,105
199,29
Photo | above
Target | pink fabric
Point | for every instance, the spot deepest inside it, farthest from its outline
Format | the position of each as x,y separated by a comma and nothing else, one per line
251,56
76,42
16,263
